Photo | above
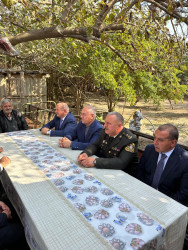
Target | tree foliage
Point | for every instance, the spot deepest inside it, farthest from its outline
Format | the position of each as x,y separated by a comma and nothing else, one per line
85,20
123,47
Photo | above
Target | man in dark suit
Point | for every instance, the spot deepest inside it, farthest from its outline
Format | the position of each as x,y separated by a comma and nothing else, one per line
173,178
116,147
87,131
11,230
64,122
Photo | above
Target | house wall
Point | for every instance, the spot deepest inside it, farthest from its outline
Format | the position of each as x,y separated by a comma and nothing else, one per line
24,89
28,93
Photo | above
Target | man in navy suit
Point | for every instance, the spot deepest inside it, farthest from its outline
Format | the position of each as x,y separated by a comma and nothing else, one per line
64,122
174,178
87,131
11,230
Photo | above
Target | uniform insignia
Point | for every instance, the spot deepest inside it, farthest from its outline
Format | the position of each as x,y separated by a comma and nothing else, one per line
129,136
115,149
130,148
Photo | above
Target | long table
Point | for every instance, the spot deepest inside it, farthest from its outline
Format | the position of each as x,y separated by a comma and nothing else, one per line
52,222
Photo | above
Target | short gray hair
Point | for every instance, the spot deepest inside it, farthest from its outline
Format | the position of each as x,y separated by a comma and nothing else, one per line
172,130
5,101
64,106
119,117
88,106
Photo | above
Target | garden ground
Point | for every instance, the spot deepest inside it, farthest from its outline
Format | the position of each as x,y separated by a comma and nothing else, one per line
153,115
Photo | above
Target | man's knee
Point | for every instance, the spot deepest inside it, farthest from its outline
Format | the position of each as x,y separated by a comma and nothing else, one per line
11,234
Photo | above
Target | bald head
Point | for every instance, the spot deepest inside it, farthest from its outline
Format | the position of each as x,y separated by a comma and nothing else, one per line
62,109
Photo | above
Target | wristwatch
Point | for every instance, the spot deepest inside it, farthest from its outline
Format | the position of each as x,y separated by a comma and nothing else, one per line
48,132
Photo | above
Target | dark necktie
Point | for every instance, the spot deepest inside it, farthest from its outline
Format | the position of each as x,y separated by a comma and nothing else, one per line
87,128
158,172
60,123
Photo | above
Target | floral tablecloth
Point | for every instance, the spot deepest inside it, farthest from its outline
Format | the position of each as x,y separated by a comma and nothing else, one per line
121,224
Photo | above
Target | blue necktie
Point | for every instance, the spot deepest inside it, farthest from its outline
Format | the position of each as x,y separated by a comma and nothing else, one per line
158,172
60,123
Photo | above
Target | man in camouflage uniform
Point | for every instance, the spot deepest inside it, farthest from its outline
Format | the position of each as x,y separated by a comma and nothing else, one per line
116,147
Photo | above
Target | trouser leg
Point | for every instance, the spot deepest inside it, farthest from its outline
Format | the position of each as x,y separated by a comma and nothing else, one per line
186,240
12,237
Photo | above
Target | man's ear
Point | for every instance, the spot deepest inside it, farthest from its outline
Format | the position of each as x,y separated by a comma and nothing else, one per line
173,143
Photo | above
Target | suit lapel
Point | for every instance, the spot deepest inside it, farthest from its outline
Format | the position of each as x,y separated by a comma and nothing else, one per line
170,165
64,121
154,158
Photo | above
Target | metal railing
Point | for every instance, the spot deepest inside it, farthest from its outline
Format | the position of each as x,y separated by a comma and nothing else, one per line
35,112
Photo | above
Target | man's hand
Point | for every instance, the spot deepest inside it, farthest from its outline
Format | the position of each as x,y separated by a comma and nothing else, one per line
4,161
1,149
82,157
88,162
5,209
44,131
65,142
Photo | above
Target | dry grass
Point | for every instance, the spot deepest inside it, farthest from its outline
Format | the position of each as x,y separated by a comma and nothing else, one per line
158,115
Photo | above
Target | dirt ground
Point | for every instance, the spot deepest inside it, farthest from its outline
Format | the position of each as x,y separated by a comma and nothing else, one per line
153,115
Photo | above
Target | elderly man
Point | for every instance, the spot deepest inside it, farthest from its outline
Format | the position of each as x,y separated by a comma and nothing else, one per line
164,166
64,122
11,230
116,147
10,119
87,131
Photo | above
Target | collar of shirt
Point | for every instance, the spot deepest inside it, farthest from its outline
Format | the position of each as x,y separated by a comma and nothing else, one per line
168,154
63,119
8,117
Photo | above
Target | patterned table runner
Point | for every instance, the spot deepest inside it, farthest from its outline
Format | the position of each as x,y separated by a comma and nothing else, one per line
115,219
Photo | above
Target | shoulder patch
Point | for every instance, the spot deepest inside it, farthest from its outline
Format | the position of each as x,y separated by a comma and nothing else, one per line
129,136
130,148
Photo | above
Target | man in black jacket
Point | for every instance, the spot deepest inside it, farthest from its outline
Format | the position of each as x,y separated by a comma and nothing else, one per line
11,120
116,147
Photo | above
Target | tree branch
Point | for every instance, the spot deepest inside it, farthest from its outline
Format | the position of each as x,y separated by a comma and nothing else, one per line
101,17
51,32
116,26
124,11
165,9
114,50
67,10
